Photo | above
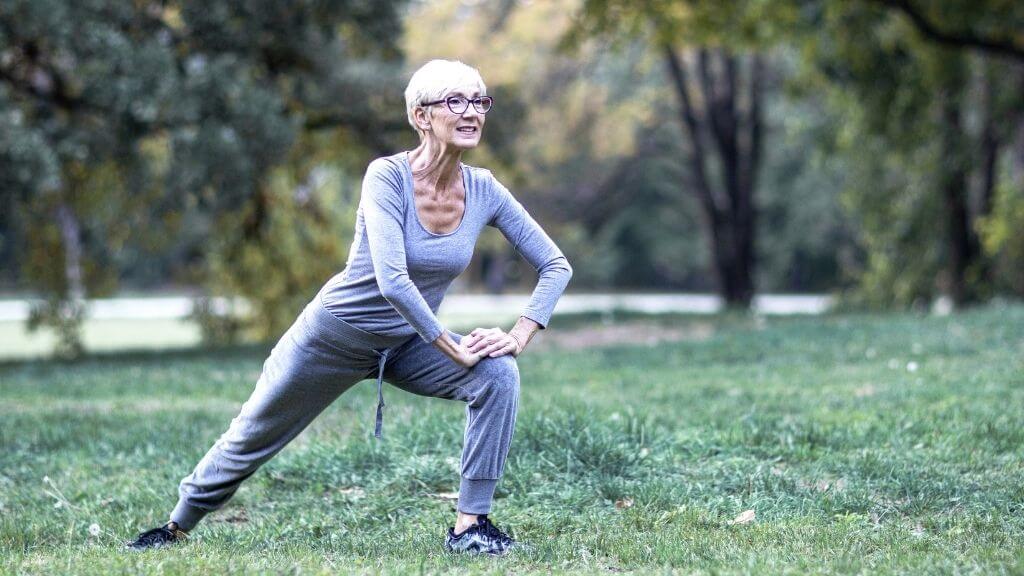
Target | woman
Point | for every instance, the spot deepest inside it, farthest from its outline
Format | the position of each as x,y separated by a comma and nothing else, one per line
418,220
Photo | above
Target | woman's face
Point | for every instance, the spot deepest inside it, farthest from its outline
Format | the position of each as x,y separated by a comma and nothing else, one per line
460,131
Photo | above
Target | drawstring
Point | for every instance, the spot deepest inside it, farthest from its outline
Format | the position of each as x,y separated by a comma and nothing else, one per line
380,392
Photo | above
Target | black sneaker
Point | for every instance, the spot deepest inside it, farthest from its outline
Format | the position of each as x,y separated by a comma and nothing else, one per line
157,538
481,538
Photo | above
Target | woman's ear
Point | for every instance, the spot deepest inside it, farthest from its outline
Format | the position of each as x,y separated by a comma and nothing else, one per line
422,118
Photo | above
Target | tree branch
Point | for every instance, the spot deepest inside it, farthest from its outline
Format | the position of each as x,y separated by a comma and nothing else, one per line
697,159
961,38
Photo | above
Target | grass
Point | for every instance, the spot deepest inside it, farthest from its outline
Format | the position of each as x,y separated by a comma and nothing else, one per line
863,443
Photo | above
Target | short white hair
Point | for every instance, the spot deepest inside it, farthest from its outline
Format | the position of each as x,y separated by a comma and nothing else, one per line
435,79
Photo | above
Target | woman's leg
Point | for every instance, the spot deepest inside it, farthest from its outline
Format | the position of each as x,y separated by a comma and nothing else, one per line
491,392
302,376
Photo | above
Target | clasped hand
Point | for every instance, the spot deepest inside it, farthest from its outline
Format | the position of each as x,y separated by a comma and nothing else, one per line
493,342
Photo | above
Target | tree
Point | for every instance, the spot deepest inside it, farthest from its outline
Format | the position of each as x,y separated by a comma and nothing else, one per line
187,105
720,94
735,129
926,124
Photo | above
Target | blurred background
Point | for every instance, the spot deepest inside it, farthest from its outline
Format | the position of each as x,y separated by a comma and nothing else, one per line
199,162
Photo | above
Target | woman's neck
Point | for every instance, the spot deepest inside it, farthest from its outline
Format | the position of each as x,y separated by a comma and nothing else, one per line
436,165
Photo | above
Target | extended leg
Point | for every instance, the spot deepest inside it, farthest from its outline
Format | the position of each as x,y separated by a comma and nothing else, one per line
299,379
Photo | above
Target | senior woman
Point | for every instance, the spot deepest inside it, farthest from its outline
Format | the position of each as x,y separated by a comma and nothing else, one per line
418,220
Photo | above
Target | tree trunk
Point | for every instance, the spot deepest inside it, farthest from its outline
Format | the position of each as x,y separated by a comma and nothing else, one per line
70,310
71,235
728,208
962,249
749,130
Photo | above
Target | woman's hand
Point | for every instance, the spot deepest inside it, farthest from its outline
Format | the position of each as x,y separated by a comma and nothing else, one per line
484,342
465,358
491,342
458,352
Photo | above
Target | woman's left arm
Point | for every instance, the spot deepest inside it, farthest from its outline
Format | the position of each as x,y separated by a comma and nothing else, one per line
530,240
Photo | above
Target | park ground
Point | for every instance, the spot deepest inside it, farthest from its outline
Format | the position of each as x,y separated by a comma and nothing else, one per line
722,444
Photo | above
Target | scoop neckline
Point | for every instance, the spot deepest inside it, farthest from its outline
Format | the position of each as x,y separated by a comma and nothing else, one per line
411,194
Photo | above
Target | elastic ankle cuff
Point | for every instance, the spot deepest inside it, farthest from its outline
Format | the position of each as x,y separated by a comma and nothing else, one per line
186,516
475,495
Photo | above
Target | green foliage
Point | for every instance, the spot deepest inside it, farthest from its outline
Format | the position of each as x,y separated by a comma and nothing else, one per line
864,443
804,234
106,218
889,73
644,226
911,118
801,232
132,116
276,269
899,223
739,25
1002,238
883,97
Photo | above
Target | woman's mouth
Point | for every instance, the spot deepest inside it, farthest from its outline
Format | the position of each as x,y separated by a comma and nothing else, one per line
466,129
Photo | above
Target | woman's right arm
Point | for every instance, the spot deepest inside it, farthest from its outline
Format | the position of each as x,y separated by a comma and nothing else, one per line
382,202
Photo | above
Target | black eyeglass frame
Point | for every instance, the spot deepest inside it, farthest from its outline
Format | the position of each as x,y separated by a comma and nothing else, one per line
477,102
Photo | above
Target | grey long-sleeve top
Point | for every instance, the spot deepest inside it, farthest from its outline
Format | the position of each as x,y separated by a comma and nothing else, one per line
398,272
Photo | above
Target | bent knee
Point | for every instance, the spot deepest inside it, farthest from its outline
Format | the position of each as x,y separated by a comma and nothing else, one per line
500,370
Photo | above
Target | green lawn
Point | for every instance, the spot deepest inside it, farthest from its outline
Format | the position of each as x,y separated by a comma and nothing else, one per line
863,443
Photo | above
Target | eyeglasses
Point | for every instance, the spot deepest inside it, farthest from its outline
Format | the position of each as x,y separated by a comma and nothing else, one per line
459,104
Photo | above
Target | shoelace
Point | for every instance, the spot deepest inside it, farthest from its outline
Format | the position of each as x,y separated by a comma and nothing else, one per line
492,531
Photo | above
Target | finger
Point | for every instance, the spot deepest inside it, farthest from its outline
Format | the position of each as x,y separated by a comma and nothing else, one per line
480,334
486,336
471,339
484,342
508,349
495,346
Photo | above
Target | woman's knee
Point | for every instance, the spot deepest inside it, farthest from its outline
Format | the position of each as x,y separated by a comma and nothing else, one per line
501,372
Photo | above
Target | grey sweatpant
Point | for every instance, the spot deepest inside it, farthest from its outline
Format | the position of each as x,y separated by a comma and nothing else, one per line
319,358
